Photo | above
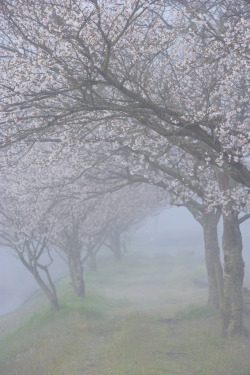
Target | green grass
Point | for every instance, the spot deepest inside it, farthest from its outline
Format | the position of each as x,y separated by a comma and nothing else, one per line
195,312
142,316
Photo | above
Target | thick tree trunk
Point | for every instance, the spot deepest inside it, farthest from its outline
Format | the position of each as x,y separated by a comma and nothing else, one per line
233,277
213,263
76,276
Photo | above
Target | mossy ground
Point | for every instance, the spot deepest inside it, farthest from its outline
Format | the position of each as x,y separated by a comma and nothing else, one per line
142,316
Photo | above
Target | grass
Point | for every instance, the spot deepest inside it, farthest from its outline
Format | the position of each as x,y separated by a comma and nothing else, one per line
142,316
195,312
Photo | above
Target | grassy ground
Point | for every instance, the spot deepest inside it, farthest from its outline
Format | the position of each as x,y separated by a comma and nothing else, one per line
143,316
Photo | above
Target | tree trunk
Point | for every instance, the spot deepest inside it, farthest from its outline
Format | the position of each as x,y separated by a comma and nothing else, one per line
76,276
49,291
233,277
213,263
50,294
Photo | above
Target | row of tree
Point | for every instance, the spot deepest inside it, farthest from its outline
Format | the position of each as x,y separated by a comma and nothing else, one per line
99,95
38,225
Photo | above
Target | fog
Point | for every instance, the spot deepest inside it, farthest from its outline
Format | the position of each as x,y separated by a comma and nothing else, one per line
17,283
172,230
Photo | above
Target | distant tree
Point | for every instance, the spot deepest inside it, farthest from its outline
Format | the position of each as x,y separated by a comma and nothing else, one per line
81,231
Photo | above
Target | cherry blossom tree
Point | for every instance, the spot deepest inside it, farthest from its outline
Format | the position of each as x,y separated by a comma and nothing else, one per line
176,68
81,229
132,203
77,211
26,229
77,74
191,183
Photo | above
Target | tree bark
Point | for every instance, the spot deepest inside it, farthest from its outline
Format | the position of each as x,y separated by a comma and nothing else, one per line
213,263
76,275
233,277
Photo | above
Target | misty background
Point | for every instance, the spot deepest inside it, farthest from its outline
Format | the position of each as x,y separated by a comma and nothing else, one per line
172,230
